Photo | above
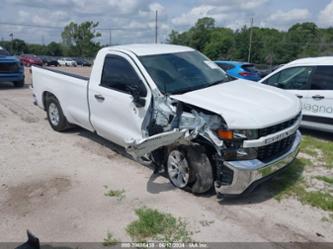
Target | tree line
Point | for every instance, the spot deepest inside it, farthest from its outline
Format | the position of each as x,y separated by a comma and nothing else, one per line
77,40
269,46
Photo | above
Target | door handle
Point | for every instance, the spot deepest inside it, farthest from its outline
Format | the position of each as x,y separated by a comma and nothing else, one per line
99,97
318,97
299,96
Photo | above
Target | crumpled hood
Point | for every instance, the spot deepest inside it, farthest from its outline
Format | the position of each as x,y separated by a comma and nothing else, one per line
244,104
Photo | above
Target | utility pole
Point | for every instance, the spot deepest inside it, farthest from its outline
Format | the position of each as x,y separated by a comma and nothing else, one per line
250,43
110,37
156,27
12,44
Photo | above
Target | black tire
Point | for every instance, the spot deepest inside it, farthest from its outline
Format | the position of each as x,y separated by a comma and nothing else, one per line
62,124
19,84
200,169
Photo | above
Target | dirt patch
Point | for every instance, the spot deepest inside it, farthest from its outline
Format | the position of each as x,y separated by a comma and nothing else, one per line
24,114
24,198
98,149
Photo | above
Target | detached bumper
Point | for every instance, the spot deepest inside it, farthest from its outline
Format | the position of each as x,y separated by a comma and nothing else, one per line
249,172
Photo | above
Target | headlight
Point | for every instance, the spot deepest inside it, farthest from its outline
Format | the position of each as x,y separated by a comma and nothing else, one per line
247,134
233,140
237,134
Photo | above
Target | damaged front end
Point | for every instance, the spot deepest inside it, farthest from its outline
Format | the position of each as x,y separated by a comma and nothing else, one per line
172,122
235,154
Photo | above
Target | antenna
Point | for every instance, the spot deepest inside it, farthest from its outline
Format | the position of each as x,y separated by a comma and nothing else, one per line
110,37
250,43
156,26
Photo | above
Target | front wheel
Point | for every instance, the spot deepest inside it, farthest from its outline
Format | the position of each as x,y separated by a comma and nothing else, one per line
55,115
188,167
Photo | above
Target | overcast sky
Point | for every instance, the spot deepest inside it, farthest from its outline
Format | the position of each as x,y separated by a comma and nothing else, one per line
136,17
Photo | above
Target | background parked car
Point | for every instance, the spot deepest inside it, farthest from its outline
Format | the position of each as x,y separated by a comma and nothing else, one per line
11,69
82,62
311,79
241,70
67,62
49,61
31,59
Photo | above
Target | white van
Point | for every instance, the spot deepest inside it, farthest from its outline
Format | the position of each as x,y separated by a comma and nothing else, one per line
311,79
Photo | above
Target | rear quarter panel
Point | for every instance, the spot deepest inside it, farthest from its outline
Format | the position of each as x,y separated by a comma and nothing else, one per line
71,93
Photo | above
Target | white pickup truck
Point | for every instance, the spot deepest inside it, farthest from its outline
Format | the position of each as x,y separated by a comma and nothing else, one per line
173,106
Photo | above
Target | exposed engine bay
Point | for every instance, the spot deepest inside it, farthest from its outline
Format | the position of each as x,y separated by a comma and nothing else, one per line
173,122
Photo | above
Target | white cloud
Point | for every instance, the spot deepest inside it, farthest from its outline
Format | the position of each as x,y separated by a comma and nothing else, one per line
189,18
288,16
230,13
136,17
156,6
326,15
237,4
285,19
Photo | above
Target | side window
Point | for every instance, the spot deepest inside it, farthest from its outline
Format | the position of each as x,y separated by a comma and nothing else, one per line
322,79
118,74
291,78
273,80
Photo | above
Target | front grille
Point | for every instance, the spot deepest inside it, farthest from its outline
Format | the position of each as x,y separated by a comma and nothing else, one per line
269,152
9,67
276,128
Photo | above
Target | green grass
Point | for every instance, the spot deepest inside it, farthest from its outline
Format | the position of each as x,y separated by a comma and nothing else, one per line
328,219
120,194
291,183
326,179
288,182
152,224
110,240
310,144
317,199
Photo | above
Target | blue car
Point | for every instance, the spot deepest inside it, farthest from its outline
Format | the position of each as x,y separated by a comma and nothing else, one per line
241,70
11,69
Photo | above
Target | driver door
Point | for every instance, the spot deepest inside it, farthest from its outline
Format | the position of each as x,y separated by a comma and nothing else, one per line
114,115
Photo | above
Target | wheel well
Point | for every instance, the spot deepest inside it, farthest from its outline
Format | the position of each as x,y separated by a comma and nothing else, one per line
47,95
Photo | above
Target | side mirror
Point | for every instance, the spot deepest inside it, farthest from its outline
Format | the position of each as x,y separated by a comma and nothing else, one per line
135,91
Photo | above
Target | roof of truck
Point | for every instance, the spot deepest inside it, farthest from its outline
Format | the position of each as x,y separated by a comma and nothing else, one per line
151,49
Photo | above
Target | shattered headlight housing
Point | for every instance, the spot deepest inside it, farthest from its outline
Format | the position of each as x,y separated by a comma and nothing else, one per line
233,140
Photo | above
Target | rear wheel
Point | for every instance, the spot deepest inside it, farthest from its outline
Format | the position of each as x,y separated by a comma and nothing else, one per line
19,83
55,115
189,168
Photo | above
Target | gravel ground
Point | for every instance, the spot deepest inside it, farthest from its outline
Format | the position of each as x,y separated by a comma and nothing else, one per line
54,183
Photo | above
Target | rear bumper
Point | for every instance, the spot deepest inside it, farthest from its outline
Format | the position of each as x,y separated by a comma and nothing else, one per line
248,172
11,77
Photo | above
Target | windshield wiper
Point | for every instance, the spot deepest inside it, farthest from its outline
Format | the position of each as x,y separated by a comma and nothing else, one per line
226,79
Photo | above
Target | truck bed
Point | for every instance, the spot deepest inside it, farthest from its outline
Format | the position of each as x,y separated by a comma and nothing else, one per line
79,76
70,89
